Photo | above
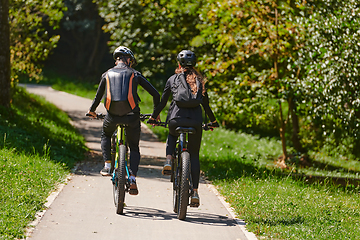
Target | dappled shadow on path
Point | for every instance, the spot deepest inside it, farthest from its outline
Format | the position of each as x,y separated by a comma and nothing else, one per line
191,217
150,167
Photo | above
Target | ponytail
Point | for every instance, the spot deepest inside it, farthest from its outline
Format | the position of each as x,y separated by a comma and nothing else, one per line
191,76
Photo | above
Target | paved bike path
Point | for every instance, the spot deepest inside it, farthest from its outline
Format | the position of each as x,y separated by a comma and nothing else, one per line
84,208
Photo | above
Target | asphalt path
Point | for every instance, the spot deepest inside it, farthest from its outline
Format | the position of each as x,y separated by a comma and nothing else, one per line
83,207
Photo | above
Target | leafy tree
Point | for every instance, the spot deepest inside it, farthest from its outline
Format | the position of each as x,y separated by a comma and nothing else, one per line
248,50
30,42
330,61
4,54
155,30
82,50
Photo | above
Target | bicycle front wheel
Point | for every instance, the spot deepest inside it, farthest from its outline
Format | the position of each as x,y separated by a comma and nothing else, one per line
184,185
121,181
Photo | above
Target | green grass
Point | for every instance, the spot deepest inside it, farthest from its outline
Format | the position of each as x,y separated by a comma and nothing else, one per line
275,203
38,147
280,208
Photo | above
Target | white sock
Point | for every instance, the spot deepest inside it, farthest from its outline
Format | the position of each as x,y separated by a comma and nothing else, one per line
107,164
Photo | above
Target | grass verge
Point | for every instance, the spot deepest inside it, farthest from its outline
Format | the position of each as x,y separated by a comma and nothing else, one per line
38,147
277,204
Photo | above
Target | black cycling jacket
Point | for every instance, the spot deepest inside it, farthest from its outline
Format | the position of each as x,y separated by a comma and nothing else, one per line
177,112
121,78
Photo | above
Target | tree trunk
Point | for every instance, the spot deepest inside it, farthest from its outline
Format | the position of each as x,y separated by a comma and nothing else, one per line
90,66
281,160
4,54
295,126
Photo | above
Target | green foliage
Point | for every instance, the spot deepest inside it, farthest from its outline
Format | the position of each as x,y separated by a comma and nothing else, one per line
30,41
330,78
38,146
155,30
239,43
82,51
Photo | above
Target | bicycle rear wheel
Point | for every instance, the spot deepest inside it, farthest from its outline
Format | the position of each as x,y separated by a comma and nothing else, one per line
175,180
184,185
121,181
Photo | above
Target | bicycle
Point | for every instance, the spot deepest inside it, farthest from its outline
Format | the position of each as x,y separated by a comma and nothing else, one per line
120,177
181,170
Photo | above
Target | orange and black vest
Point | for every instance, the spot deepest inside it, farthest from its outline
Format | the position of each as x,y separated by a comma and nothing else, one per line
120,97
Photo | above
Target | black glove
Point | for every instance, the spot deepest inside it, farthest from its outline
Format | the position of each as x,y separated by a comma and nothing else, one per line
152,121
213,124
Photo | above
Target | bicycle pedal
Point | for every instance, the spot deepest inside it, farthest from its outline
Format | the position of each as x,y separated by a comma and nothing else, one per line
195,205
166,172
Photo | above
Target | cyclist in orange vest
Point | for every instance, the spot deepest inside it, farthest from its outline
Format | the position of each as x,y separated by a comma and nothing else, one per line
119,84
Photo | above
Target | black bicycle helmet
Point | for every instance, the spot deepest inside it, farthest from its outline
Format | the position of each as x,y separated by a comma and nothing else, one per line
124,51
186,58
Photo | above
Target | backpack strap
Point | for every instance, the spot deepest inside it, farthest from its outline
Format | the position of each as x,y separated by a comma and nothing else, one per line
182,79
108,94
130,93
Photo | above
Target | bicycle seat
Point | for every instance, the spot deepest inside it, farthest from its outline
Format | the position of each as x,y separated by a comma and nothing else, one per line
189,130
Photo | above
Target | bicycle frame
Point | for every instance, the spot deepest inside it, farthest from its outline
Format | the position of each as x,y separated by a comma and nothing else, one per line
121,173
119,162
119,139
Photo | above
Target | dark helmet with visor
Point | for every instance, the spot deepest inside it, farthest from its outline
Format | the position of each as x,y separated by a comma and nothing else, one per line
124,51
186,58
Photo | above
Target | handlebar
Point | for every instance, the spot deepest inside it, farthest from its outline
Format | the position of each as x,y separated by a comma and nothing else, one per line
143,117
206,127
98,115
156,123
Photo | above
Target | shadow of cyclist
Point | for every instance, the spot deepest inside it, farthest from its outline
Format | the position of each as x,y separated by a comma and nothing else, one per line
152,214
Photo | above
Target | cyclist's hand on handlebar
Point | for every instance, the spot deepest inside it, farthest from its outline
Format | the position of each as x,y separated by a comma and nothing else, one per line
154,121
91,114
210,125
214,124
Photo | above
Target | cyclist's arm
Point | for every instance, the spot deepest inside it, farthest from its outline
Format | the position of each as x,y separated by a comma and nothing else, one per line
164,98
207,108
150,89
99,95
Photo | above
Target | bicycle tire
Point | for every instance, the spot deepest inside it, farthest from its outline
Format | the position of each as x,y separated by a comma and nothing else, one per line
114,174
121,173
175,177
184,185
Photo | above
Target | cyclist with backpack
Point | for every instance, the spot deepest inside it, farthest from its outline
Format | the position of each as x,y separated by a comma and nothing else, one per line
187,88
121,102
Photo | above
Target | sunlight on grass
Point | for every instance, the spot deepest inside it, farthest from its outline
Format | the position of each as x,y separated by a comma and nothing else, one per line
283,209
25,182
38,147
